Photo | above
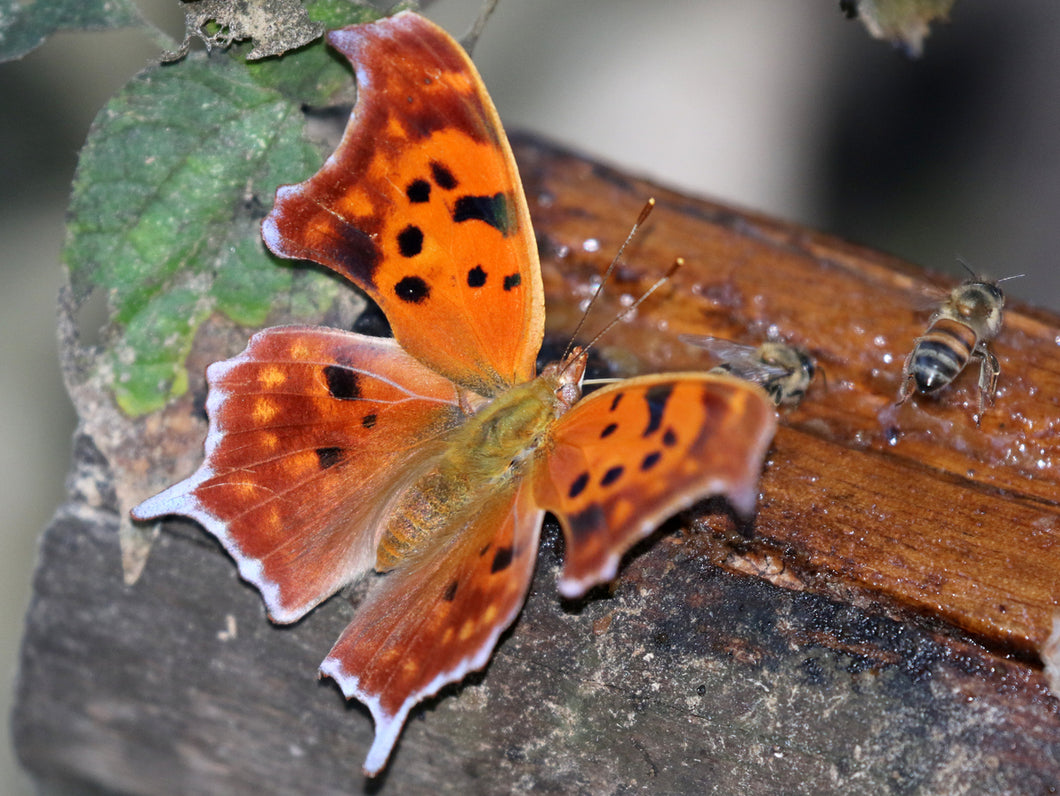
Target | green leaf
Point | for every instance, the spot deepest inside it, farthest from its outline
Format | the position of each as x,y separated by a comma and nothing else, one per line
24,26
169,193
340,13
313,75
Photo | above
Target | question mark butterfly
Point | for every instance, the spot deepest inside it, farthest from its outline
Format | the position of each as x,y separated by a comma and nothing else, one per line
433,456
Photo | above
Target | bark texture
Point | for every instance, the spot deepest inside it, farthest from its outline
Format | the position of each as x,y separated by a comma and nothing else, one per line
875,630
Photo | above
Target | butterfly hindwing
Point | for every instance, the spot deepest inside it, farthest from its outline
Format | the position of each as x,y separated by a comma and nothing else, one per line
422,207
632,454
433,457
310,430
437,617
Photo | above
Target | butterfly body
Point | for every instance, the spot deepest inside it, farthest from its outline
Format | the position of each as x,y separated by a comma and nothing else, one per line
434,456
493,450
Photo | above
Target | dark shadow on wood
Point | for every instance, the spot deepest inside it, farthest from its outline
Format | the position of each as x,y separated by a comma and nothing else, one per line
803,658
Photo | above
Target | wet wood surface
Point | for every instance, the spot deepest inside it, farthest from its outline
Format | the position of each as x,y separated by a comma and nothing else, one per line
916,505
874,630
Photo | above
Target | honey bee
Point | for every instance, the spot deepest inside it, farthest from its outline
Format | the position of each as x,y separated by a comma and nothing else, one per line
784,371
962,327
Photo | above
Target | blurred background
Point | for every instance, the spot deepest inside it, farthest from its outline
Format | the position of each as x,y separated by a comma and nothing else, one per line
786,108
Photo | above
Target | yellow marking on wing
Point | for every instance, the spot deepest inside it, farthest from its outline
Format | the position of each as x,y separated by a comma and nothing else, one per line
467,629
274,518
271,377
620,512
264,411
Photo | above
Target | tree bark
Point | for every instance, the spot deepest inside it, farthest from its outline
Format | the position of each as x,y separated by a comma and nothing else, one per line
875,629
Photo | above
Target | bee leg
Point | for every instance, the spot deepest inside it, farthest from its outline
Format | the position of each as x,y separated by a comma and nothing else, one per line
989,370
908,380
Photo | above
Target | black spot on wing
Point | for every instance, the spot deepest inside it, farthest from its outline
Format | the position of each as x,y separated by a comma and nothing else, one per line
612,475
412,289
656,397
669,437
491,209
418,191
443,178
450,592
343,383
650,461
609,429
512,281
476,277
353,250
410,241
586,522
578,485
615,401
502,559
329,457
368,421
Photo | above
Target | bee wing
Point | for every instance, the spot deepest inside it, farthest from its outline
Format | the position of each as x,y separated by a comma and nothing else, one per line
742,361
725,350
928,298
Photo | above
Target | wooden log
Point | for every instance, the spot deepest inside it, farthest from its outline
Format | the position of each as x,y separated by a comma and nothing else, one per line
879,633
915,504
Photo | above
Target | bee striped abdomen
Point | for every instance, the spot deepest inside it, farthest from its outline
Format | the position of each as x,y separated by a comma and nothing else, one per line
941,354
963,326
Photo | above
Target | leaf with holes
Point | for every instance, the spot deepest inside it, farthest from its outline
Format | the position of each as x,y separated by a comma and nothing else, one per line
177,172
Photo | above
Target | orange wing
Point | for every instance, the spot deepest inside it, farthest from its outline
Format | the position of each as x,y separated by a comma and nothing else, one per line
433,620
628,456
422,207
311,431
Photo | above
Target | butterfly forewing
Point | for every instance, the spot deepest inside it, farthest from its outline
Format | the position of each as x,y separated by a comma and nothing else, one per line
628,456
435,456
422,207
437,617
310,430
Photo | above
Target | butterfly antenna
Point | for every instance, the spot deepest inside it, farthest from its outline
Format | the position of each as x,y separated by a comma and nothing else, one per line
1006,278
644,213
658,283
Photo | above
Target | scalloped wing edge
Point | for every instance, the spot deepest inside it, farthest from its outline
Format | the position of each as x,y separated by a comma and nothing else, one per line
743,500
180,500
741,491
388,726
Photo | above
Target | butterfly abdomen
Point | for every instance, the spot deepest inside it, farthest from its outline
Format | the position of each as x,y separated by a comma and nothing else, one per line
418,516
487,454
